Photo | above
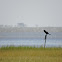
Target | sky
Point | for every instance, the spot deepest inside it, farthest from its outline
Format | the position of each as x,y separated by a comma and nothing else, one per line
42,13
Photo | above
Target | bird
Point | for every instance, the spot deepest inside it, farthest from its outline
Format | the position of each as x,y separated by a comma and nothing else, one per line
46,32
45,37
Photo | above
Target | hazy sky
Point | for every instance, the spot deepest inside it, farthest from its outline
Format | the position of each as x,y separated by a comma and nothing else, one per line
31,12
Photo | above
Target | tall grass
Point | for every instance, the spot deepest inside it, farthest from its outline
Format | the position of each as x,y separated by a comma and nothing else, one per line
30,54
28,47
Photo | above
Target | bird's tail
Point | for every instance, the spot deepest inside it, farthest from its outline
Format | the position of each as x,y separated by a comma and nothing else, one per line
49,34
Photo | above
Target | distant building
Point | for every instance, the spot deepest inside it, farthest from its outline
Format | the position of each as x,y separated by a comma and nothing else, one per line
21,25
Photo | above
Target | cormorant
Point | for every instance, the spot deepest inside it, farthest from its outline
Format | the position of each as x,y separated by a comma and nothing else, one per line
46,32
46,36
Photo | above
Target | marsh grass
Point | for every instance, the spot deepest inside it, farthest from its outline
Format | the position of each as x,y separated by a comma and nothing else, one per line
30,54
28,47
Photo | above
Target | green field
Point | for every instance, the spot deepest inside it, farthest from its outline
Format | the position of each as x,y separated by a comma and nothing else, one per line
30,54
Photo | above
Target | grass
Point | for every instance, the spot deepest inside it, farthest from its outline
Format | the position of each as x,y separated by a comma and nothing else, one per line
30,54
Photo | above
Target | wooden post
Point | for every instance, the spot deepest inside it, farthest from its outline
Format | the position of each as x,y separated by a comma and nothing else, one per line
45,40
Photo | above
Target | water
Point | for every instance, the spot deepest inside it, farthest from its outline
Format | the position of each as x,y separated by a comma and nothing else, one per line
30,39
31,42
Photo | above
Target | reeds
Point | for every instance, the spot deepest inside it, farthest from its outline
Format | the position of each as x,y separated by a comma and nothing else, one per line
30,54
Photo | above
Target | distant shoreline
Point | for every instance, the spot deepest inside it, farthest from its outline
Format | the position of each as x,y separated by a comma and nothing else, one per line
30,29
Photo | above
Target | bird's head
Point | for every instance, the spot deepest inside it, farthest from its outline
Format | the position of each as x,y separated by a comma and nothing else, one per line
44,30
